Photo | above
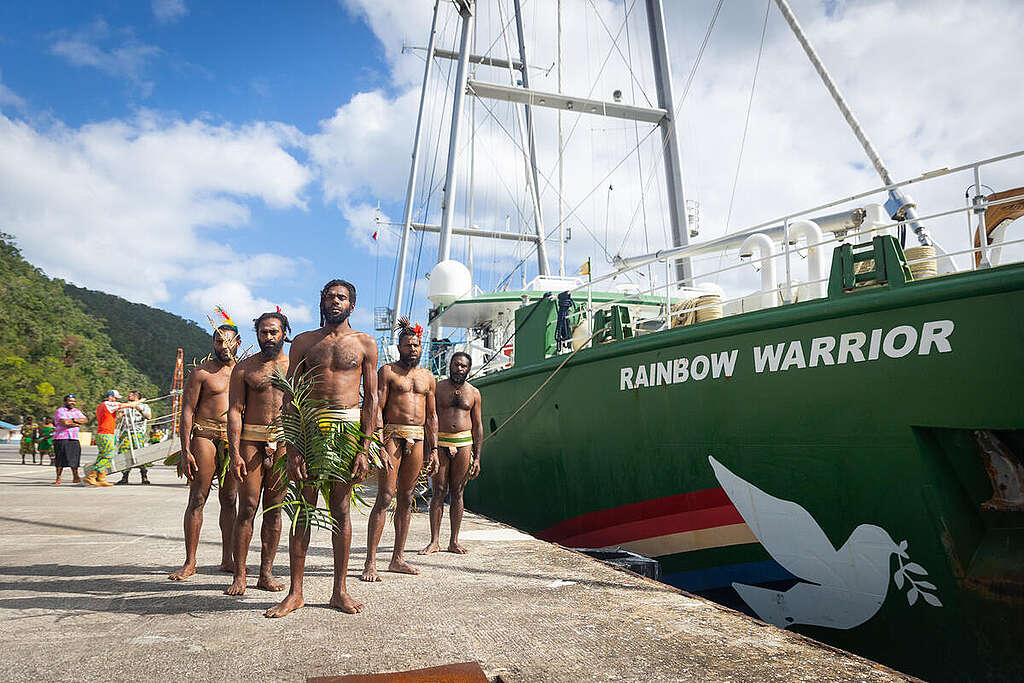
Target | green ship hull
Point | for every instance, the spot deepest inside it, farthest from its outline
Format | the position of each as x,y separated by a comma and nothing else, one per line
829,466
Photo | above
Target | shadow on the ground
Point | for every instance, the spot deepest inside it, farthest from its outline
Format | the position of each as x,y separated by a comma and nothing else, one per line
94,530
73,590
315,551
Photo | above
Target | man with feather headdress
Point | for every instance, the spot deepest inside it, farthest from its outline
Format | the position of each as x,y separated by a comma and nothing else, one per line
204,407
410,432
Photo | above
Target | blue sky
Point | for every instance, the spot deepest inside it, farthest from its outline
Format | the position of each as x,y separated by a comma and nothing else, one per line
239,61
188,154
70,65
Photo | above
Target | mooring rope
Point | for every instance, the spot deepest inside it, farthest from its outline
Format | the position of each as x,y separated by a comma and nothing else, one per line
543,384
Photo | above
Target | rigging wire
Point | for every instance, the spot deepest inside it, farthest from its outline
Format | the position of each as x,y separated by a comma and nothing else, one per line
433,169
700,54
743,139
746,122
593,87
572,212
639,160
634,81
678,107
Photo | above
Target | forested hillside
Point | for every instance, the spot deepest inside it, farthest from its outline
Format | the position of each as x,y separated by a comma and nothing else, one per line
50,347
146,337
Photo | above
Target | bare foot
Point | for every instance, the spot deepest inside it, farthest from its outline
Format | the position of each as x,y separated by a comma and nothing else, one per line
76,480
183,573
269,583
370,574
56,483
454,547
431,548
286,606
227,566
346,603
402,567
237,586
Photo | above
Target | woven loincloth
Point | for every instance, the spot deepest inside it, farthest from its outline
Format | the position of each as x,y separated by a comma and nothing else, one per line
453,441
268,435
410,434
210,429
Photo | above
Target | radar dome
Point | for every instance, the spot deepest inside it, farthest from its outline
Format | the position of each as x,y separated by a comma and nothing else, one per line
449,280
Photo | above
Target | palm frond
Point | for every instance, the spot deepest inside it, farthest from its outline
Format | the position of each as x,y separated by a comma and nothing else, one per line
328,447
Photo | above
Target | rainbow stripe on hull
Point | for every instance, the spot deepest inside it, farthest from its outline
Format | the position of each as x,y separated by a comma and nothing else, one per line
670,528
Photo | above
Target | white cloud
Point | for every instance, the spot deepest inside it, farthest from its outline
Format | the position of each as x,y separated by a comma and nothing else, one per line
397,23
127,58
365,146
144,196
365,221
9,98
169,11
243,306
903,67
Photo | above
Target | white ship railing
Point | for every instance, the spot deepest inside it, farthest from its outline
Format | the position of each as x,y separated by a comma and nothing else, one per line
786,291
974,210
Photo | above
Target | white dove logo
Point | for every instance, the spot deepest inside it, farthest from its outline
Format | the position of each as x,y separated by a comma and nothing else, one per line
844,588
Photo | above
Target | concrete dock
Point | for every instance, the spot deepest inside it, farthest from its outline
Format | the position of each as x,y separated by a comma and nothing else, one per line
85,597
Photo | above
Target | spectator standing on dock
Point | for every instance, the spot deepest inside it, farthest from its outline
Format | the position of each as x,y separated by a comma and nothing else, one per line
460,436
106,423
45,443
136,423
254,403
344,360
204,448
29,434
67,450
408,415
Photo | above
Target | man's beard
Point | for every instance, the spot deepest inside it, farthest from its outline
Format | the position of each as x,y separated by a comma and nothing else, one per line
458,378
409,361
336,319
271,349
224,356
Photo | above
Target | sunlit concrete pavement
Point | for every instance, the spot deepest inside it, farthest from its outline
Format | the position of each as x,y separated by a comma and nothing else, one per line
85,597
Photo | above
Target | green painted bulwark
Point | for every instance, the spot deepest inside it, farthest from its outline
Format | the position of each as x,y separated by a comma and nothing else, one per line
535,330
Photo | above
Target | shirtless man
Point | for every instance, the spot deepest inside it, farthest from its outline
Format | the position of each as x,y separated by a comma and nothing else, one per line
459,437
253,404
410,428
343,359
204,405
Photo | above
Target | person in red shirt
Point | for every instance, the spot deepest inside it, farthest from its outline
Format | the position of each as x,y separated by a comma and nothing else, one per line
106,419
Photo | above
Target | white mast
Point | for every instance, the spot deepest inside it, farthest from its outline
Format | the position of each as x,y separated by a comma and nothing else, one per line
444,246
670,152
561,174
410,193
472,173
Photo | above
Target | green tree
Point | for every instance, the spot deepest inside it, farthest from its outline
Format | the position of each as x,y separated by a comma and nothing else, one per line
49,346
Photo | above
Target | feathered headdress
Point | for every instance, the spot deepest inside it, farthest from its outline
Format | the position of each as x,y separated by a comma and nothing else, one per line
225,316
404,327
